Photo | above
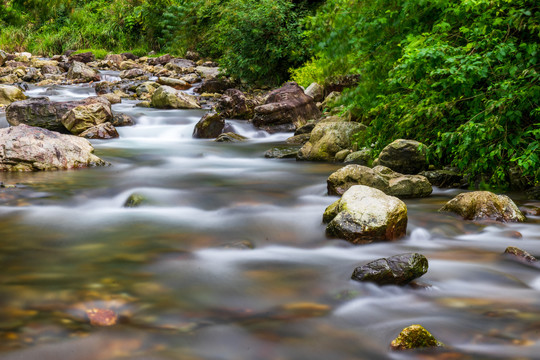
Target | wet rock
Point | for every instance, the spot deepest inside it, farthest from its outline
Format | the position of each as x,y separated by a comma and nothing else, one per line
9,79
161,60
122,120
395,270
128,65
298,140
165,97
283,152
306,129
316,91
230,137
82,73
116,59
84,58
210,126
32,75
235,105
443,178
361,157
403,156
51,70
364,214
328,138
178,84
84,117
101,317
214,86
103,87
380,177
100,131
112,98
285,109
146,88
135,200
144,104
39,112
484,205
9,94
414,337
190,78
132,73
239,245
27,148
520,255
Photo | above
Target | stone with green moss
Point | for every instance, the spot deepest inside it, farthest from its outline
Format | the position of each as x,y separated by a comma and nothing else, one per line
414,337
135,200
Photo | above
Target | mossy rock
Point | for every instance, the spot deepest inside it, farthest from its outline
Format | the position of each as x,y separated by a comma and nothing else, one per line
395,270
135,200
415,337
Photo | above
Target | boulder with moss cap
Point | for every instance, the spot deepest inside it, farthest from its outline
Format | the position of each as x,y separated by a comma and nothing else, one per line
484,205
414,337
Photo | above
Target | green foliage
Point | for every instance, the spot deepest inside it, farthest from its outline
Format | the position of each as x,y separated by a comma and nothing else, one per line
462,76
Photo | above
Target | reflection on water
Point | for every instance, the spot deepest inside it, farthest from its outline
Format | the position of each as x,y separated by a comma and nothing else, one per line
227,258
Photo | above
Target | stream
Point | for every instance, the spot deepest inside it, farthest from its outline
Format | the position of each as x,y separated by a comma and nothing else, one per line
228,259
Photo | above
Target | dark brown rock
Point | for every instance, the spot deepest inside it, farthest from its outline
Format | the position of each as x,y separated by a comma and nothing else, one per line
161,60
285,109
122,120
210,126
520,255
395,270
100,131
211,86
83,57
235,105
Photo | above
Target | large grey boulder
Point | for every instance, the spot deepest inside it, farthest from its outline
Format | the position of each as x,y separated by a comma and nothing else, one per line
364,214
484,205
166,97
285,109
403,156
9,94
328,138
380,177
82,73
27,148
395,270
42,112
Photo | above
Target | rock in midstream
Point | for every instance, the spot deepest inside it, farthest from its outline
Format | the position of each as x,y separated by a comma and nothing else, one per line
364,214
484,205
414,337
27,148
395,270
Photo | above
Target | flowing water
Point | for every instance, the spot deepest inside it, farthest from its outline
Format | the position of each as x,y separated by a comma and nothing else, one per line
227,259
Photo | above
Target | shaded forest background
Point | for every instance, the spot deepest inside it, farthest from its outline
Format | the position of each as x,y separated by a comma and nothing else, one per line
460,76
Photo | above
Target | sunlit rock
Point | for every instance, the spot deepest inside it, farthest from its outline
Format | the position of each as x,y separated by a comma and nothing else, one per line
380,177
316,91
82,73
364,214
83,117
414,337
394,270
27,148
230,137
166,97
9,94
484,205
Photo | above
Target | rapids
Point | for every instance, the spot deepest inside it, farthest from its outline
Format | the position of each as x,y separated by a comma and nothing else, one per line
181,273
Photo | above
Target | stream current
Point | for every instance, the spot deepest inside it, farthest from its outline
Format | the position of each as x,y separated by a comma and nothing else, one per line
227,259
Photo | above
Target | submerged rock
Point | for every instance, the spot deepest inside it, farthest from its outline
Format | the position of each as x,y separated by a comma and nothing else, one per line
9,94
209,127
100,131
135,200
285,109
27,148
230,137
403,156
380,177
484,205
520,255
414,337
328,138
166,97
284,152
395,270
364,214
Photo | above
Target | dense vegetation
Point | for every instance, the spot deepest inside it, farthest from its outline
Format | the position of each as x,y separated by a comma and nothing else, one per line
460,76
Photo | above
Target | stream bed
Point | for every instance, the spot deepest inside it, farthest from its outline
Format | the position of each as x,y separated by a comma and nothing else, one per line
228,259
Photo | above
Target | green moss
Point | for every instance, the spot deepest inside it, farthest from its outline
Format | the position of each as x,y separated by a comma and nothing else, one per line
414,337
98,53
